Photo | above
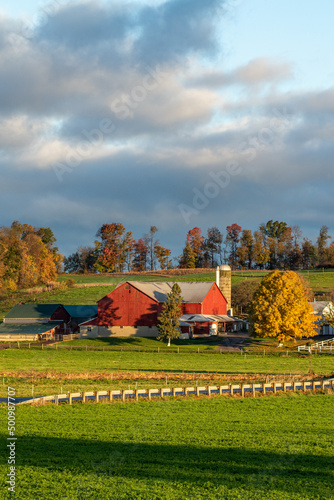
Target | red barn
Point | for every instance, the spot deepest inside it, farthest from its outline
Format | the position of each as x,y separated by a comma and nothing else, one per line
132,309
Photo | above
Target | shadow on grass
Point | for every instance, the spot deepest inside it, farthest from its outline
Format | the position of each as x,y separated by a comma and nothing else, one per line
207,467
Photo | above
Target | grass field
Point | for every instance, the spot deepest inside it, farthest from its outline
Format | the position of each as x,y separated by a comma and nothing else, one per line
273,448
54,371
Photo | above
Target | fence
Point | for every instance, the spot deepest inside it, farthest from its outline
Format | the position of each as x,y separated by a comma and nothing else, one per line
324,345
231,389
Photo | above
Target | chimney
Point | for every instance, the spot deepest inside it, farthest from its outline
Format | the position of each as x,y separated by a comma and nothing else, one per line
223,281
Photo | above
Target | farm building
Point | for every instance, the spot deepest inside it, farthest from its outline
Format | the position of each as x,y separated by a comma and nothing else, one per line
132,309
321,309
80,314
34,322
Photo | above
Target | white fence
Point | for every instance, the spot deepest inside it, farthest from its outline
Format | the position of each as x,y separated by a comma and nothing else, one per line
231,389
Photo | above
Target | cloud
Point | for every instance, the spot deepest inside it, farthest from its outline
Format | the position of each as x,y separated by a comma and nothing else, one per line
150,72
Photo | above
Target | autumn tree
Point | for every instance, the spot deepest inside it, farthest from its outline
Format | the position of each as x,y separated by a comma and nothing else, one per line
193,251
188,258
245,251
27,256
113,247
280,308
168,321
163,256
141,250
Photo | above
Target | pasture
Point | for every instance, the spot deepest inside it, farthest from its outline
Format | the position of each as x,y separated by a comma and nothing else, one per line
273,448
46,371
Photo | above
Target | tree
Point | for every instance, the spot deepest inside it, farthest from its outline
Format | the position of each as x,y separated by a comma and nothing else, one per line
213,243
163,256
188,258
113,247
242,295
168,321
140,257
322,246
280,308
152,244
245,251
232,239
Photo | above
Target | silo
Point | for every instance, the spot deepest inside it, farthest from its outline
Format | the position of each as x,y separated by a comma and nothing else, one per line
224,272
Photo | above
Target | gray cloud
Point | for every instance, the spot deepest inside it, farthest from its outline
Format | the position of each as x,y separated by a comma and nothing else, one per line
87,63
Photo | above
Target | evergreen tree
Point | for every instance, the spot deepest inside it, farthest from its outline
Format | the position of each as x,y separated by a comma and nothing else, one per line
168,321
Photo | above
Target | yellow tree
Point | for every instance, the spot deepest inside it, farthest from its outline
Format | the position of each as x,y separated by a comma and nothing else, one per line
280,308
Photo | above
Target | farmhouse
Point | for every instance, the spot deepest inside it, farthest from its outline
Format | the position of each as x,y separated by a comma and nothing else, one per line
44,321
322,309
34,322
133,308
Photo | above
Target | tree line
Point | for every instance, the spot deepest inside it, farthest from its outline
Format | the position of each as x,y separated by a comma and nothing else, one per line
28,256
274,245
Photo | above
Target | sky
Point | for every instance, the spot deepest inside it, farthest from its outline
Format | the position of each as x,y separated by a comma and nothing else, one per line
176,113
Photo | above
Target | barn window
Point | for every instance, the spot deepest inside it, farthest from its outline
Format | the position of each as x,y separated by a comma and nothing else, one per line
89,329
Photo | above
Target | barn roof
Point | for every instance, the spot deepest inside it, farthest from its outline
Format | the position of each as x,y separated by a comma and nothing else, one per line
82,313
193,293
27,328
320,305
32,311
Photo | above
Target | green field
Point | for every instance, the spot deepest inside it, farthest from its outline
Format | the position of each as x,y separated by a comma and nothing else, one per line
50,370
272,448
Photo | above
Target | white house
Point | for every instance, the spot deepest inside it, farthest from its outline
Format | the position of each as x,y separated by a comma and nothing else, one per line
322,309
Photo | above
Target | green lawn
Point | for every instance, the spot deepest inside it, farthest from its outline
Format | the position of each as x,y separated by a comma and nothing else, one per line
110,361
272,448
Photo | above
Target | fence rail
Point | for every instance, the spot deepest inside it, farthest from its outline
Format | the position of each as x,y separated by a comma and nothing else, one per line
136,394
324,345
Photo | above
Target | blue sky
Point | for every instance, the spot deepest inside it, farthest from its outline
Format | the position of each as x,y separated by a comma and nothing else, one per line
177,114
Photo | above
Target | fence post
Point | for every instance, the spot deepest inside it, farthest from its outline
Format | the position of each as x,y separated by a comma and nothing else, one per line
136,394
242,390
264,388
294,387
123,395
220,390
304,386
275,388
69,398
313,385
56,400
231,389
209,391
284,387
323,385
174,392
253,390
197,391
96,396
83,395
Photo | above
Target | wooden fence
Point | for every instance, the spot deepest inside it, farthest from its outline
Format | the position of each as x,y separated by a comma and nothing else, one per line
230,390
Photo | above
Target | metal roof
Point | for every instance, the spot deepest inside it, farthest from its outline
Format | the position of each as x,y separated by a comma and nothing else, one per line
208,318
27,328
320,305
83,312
32,311
193,293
